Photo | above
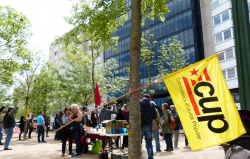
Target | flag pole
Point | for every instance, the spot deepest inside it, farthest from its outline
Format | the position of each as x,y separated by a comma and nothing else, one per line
156,81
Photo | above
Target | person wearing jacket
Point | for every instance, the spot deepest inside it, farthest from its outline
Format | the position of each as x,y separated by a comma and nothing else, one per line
21,126
148,114
47,125
177,123
57,125
166,130
105,113
9,124
93,119
31,121
1,128
66,132
156,127
88,121
120,116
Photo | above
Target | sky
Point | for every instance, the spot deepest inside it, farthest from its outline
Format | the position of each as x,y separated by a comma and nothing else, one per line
46,18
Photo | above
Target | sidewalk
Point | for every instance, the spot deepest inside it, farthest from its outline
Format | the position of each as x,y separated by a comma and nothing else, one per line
30,149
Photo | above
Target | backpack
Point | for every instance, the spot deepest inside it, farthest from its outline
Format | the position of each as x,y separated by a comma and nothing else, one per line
176,118
171,121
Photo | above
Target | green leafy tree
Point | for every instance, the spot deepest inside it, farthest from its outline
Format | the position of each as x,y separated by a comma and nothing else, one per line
173,55
98,19
14,31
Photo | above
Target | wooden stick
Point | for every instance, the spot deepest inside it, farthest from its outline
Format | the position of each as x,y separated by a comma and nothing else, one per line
156,81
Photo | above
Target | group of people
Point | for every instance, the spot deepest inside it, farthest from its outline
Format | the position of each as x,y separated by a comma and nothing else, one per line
151,122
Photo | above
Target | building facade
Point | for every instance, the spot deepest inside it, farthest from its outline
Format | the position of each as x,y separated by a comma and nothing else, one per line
218,21
184,22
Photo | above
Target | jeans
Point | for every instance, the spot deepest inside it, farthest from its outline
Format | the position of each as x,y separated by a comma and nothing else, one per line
1,135
66,134
9,133
168,140
147,131
40,130
30,131
157,141
77,137
56,135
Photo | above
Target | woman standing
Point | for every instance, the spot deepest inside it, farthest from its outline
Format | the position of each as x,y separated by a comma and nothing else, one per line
21,126
66,133
47,124
166,130
93,119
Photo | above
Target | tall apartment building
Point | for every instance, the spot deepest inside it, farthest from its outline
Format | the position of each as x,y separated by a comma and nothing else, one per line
184,22
219,31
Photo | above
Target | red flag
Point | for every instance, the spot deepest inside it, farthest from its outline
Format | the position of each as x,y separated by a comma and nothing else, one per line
97,96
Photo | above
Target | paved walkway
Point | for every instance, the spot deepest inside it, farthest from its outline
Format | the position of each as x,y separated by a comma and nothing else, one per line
30,149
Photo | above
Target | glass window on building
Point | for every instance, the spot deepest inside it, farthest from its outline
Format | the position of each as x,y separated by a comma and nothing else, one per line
185,20
231,73
216,3
217,20
221,57
227,34
218,38
225,15
229,53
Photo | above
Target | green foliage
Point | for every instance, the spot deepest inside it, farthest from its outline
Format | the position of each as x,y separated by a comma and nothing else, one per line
14,31
173,55
76,78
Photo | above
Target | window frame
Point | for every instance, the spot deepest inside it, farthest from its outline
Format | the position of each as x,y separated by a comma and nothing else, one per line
224,54
223,36
226,71
220,14
220,3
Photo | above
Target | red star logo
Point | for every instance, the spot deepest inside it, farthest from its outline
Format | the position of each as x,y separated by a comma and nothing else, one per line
194,72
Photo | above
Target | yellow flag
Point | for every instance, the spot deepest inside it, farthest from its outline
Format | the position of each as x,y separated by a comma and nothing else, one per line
204,104
27,112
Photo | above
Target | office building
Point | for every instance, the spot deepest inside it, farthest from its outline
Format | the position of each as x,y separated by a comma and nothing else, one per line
184,22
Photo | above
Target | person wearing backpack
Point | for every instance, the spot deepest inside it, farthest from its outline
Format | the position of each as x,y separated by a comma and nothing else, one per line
166,130
177,123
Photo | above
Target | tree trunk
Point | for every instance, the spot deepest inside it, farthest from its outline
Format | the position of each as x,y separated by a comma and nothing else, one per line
134,150
26,122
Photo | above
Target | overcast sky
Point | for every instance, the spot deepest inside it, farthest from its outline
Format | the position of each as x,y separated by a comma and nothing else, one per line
46,18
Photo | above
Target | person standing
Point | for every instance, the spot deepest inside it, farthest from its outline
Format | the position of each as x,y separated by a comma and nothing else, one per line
125,112
177,123
93,119
166,130
40,128
1,128
21,126
156,127
148,114
31,123
66,132
77,129
9,124
105,113
57,125
47,124
119,116
88,121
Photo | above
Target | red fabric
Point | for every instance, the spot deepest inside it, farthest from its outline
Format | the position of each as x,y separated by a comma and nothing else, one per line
92,136
97,96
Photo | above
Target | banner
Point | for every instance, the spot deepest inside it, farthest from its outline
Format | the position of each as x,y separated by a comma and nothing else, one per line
27,112
205,106
98,100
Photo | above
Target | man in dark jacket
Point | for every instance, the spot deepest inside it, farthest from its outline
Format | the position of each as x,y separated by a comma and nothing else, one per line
57,125
105,113
148,114
9,124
